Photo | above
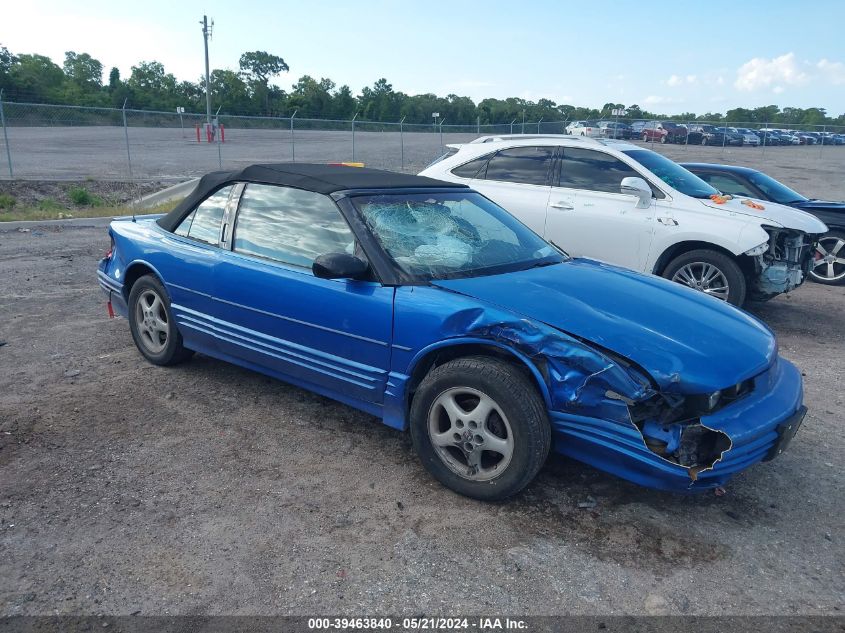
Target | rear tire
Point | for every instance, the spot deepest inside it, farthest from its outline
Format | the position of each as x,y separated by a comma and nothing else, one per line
152,324
480,427
711,272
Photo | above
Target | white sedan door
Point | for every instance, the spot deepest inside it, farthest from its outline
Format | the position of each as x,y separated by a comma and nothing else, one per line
517,179
589,217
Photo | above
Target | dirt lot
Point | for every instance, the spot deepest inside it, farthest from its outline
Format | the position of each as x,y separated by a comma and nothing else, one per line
207,489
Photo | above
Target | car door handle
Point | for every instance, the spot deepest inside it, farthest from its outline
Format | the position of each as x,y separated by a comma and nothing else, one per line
560,204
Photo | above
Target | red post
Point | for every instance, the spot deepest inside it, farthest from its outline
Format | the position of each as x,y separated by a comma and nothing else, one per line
208,132
198,133
222,134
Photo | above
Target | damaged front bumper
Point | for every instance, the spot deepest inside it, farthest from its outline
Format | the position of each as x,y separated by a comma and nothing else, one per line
756,426
783,266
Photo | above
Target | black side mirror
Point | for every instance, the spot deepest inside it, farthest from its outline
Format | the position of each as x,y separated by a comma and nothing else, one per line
339,266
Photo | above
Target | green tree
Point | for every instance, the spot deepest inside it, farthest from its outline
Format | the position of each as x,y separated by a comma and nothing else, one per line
259,67
343,103
83,70
151,87
7,60
114,79
230,91
36,78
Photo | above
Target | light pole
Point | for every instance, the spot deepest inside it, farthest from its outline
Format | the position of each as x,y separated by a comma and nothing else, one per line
206,35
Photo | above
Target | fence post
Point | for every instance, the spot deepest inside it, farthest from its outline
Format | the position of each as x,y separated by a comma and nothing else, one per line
402,143
824,138
512,122
292,143
765,136
538,124
724,136
478,125
217,138
687,141
353,136
6,136
126,134
441,134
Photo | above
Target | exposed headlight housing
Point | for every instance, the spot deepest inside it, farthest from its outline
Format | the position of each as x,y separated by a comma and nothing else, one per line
713,400
758,250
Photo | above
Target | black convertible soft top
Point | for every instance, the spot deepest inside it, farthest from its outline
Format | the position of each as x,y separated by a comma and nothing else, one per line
311,177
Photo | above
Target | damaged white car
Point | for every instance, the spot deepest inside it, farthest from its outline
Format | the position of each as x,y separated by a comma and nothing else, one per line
619,203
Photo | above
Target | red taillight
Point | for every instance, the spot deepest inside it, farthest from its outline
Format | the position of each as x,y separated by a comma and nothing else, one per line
109,252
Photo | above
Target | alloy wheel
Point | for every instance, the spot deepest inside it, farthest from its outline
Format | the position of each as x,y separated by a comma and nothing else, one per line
470,433
704,277
829,264
151,320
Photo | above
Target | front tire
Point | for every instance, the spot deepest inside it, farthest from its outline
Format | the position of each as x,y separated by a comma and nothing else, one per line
710,272
829,268
480,427
152,324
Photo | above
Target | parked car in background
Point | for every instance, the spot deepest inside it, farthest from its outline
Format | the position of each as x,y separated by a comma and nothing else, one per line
637,128
708,134
428,306
663,132
731,135
584,128
615,129
790,138
829,260
629,206
770,137
805,138
749,137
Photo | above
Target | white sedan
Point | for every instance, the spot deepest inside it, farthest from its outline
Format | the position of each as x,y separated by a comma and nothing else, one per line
629,206
584,128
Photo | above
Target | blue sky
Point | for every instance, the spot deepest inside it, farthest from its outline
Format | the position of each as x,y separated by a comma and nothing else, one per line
666,56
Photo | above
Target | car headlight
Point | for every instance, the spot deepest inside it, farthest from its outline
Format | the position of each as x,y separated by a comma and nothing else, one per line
758,250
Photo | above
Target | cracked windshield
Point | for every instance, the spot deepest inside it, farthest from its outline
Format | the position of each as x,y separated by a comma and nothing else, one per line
449,235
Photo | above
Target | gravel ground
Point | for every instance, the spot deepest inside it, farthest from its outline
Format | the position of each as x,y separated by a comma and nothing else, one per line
53,153
208,489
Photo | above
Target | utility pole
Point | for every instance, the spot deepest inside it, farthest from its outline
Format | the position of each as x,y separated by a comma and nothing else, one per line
206,35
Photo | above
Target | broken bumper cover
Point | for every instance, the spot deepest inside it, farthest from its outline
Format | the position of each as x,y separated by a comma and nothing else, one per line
756,425
113,291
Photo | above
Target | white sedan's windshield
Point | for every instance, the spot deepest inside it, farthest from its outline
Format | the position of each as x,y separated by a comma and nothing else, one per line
448,235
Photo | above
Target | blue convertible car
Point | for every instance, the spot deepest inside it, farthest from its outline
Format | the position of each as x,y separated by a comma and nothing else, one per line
425,304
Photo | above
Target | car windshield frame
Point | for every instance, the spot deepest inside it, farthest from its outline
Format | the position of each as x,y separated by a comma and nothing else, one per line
536,252
768,185
671,173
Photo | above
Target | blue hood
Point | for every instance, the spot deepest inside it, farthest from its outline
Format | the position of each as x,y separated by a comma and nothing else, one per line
687,341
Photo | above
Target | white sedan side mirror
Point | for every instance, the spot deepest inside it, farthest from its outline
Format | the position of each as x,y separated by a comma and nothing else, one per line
635,186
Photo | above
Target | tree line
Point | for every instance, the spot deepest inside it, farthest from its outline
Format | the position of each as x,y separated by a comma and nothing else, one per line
79,81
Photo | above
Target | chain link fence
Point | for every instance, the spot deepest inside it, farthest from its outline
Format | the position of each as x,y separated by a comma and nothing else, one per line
54,142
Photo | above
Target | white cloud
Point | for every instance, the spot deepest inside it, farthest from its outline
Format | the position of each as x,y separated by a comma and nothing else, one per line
660,100
676,80
834,72
761,72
